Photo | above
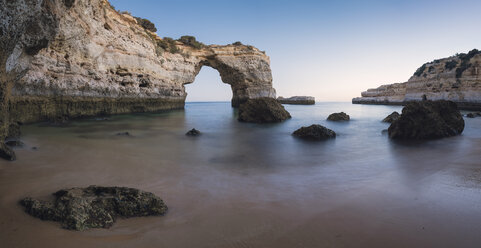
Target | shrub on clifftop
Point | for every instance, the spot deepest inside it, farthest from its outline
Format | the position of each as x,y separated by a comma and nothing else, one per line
191,41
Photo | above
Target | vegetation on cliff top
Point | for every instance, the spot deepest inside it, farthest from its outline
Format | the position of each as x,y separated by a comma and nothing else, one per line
148,25
465,58
465,64
191,41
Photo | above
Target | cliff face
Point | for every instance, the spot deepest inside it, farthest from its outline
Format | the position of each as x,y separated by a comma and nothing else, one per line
456,78
72,58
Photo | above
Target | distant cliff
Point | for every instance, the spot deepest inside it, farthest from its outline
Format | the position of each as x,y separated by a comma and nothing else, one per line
456,78
75,58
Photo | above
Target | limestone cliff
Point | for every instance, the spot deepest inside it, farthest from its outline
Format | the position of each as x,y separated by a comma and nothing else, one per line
81,57
456,78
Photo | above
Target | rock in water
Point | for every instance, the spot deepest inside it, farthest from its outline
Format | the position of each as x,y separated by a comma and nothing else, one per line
473,115
7,152
193,132
338,117
262,110
95,207
427,120
392,117
299,100
314,132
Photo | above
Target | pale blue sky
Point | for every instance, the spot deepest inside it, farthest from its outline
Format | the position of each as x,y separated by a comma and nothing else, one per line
332,50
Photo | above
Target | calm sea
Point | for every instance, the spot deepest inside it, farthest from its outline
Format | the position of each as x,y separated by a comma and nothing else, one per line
253,185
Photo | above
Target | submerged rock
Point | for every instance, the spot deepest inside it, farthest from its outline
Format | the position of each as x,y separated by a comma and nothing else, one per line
263,110
392,117
338,117
299,100
193,132
6,152
314,132
428,120
95,207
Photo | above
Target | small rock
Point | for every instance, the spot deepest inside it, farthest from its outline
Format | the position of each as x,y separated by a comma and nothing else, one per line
427,120
34,148
473,115
193,132
123,134
392,117
314,132
338,117
95,207
262,110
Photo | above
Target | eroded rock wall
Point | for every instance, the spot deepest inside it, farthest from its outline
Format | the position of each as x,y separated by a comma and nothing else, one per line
456,78
82,57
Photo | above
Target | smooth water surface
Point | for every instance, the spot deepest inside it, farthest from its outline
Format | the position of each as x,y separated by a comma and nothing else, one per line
252,185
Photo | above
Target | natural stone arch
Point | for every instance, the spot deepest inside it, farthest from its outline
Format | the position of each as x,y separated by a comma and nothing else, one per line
244,68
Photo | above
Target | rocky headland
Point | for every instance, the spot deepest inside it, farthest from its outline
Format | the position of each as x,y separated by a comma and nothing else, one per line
456,79
62,59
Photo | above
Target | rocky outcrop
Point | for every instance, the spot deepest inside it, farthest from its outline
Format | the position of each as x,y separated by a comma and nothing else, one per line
95,207
314,132
456,79
81,58
299,100
427,120
338,117
263,110
392,117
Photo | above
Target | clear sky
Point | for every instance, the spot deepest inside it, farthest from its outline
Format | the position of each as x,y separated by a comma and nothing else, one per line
332,50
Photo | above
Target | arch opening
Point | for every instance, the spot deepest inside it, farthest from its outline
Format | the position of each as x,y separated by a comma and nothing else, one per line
208,87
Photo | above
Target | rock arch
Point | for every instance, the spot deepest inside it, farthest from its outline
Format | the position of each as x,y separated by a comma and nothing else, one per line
245,68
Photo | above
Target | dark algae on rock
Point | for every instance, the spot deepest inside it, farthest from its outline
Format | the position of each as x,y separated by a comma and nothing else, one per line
314,132
95,207
263,110
427,120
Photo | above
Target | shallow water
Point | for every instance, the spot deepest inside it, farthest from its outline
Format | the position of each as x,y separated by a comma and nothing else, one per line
251,185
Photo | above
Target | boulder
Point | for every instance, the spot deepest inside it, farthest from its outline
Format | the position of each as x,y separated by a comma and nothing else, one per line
392,117
427,120
338,117
95,207
314,132
262,110
193,132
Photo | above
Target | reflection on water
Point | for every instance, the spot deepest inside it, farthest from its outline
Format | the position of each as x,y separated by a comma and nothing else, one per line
251,185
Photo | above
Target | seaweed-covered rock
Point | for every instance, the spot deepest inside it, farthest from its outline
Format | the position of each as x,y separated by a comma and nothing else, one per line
193,132
392,117
314,132
427,120
6,152
262,110
338,117
95,207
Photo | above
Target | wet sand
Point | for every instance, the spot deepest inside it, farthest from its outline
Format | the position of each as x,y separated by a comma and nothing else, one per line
247,185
